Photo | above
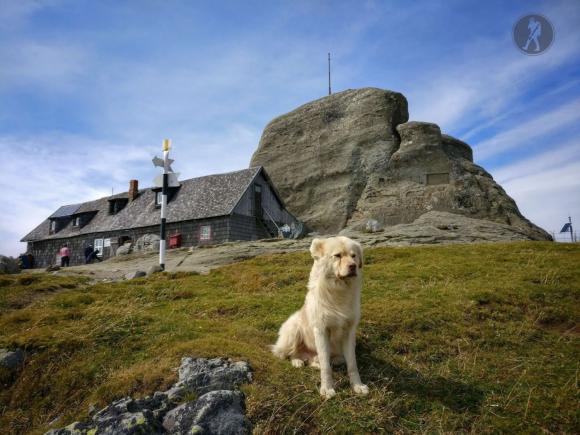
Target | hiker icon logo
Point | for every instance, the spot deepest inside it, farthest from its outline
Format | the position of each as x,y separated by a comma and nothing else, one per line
533,34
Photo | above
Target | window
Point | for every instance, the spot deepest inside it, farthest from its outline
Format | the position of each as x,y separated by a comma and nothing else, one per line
158,198
117,204
205,232
76,221
53,226
98,247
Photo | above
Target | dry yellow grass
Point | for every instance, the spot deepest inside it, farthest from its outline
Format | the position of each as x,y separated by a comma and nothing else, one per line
471,338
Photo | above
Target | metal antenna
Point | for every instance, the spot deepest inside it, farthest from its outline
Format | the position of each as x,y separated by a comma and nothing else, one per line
329,90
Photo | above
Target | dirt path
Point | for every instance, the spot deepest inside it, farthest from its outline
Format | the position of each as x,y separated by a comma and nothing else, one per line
187,259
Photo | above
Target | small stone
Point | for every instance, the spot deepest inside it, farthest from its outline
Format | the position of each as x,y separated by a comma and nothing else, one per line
154,269
75,428
11,360
136,274
52,268
373,226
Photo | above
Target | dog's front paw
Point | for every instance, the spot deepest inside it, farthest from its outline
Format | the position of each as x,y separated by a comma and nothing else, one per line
327,392
296,362
361,389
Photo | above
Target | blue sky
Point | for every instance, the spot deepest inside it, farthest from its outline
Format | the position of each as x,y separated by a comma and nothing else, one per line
88,90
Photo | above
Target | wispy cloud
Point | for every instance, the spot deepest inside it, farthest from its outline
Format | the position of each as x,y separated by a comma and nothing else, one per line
52,67
491,76
549,196
545,185
558,155
533,129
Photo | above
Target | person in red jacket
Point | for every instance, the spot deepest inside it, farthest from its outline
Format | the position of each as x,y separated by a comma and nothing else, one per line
64,256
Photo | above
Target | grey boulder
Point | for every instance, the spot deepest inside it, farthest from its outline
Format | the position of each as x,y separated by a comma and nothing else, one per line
125,249
201,375
147,242
352,156
136,274
216,412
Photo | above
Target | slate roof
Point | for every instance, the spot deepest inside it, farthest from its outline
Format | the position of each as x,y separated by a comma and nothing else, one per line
65,210
197,198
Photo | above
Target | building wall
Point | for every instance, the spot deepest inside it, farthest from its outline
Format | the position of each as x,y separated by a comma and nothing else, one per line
270,203
45,251
246,228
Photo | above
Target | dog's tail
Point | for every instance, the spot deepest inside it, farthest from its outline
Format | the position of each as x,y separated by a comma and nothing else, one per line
289,338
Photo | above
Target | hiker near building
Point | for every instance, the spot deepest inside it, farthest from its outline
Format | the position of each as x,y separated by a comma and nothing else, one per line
64,256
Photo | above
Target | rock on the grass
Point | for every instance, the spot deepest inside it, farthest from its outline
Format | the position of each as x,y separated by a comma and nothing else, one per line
125,249
75,428
201,375
9,265
136,274
11,360
147,242
154,269
216,412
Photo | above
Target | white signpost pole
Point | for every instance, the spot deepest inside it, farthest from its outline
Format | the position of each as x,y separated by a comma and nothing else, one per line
166,147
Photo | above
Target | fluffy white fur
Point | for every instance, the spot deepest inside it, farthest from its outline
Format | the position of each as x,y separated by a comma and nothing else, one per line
324,329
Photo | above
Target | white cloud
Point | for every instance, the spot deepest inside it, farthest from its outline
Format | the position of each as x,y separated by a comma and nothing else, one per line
48,66
532,129
544,186
556,156
51,170
488,77
548,197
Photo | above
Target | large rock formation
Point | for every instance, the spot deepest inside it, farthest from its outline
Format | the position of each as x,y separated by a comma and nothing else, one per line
352,156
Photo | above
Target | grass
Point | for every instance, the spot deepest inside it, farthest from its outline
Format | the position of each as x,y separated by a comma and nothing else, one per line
467,338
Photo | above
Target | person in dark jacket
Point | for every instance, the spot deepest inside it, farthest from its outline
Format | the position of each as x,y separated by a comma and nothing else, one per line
88,254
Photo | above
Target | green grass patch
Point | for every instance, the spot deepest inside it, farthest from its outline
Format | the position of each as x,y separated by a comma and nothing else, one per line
467,338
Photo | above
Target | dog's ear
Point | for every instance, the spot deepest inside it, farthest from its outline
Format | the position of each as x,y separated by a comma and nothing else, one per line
359,254
317,248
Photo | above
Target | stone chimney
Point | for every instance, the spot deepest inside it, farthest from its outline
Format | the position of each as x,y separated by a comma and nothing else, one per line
133,189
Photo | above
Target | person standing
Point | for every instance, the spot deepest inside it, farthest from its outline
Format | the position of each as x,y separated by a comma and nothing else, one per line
64,256
88,254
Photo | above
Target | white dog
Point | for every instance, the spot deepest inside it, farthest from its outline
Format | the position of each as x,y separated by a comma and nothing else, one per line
325,327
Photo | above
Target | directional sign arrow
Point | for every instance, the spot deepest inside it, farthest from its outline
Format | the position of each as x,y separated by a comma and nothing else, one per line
159,162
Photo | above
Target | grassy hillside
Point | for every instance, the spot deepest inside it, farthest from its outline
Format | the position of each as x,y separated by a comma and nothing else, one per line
474,338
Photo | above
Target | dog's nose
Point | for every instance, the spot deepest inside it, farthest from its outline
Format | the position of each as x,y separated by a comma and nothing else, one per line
352,267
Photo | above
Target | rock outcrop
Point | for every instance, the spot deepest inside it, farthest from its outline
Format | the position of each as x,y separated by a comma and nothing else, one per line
351,157
219,409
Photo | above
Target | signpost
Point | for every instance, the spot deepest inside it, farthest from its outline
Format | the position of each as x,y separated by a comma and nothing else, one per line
169,180
568,227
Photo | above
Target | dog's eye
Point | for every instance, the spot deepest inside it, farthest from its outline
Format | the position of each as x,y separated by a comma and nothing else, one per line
337,255
353,255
